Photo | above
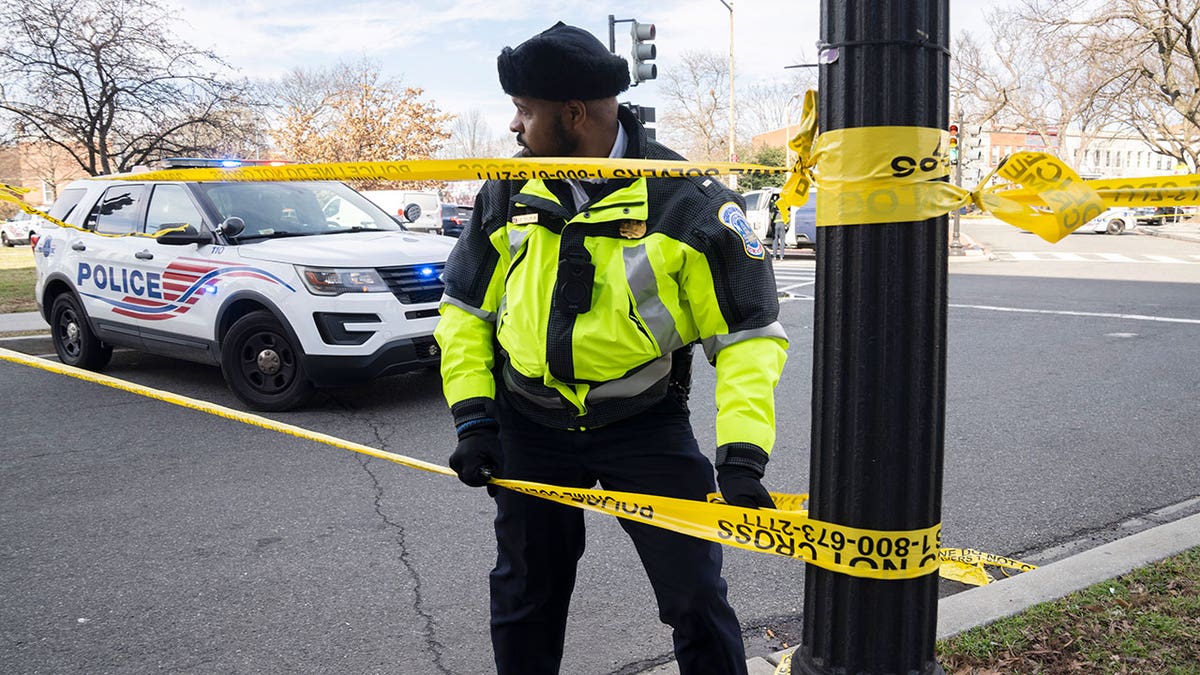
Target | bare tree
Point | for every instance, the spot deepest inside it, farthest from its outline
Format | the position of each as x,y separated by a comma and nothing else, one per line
1146,56
353,113
1158,85
107,82
697,94
470,136
771,105
1032,79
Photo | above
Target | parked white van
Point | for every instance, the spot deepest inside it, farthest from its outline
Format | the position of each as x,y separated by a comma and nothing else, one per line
802,228
419,211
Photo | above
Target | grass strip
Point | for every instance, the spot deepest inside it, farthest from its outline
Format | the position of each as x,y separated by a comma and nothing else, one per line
1146,621
16,290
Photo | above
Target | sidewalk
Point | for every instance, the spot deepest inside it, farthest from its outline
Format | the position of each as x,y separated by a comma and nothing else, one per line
1185,231
22,322
970,249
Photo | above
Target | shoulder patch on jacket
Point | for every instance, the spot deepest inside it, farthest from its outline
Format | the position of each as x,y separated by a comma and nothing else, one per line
731,216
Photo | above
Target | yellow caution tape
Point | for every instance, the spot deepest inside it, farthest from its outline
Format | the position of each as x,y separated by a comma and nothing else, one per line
517,168
969,566
875,554
10,193
897,174
866,175
13,194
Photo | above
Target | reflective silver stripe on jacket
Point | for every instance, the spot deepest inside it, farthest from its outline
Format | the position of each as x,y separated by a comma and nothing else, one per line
640,275
515,239
489,317
627,387
716,343
632,385
514,385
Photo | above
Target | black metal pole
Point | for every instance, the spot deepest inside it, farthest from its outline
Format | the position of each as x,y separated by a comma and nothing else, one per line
879,361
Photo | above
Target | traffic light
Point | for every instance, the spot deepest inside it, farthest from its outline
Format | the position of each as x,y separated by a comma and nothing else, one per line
952,153
643,51
646,115
972,143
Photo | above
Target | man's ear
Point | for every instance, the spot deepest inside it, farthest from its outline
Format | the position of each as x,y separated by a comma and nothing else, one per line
574,114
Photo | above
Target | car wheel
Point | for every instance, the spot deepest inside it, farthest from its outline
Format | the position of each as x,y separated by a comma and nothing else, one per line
74,341
5,240
1115,227
262,365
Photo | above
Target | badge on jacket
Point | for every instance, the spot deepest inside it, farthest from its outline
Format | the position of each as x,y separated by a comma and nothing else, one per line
731,216
632,229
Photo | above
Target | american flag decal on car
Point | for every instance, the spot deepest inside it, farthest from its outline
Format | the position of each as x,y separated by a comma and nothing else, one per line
181,285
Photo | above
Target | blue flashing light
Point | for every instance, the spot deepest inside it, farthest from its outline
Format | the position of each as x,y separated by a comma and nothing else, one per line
426,271
231,163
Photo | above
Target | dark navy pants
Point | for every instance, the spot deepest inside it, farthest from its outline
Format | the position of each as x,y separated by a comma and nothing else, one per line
540,542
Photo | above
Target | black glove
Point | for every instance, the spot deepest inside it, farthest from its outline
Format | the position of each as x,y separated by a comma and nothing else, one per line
740,468
478,456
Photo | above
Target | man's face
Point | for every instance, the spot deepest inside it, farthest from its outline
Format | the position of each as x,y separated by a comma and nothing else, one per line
539,127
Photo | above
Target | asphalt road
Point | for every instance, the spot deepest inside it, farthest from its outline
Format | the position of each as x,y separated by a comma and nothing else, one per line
138,536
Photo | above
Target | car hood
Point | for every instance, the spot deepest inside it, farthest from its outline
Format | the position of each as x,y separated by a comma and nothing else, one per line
353,249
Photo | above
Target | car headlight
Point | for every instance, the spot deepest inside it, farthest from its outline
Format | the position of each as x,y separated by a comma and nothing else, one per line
331,281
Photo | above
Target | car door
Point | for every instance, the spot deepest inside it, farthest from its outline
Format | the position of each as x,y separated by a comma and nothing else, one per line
178,319
108,277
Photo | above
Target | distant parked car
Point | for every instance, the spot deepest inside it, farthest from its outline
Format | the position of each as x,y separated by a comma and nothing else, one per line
19,229
802,228
1112,221
1161,215
414,209
454,218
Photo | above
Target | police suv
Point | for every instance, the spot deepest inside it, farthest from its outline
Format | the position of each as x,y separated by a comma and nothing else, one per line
286,285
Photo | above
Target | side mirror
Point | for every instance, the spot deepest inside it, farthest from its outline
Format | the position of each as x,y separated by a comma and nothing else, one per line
188,235
232,227
332,207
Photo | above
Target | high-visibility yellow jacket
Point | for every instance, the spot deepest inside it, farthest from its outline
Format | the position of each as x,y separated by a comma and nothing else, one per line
675,263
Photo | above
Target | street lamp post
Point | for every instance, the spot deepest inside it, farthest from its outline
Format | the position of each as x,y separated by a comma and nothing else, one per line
787,130
956,246
732,152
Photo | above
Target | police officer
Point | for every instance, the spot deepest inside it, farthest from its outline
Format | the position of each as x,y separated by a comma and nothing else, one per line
567,324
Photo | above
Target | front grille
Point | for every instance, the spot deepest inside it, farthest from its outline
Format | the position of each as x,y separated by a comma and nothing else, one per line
414,284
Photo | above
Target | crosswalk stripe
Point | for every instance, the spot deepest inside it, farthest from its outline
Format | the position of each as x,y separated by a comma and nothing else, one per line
1055,256
1068,257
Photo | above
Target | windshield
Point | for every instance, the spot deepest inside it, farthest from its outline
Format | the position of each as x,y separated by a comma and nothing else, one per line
295,209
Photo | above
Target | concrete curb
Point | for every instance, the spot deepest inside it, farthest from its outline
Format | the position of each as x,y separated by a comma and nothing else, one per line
1181,236
986,604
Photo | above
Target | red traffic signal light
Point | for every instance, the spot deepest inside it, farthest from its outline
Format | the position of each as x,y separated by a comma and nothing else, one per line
953,129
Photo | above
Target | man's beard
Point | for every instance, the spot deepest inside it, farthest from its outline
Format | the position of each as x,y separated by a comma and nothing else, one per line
562,145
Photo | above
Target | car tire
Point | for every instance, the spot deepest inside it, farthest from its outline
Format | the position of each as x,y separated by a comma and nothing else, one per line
72,335
1114,227
5,240
262,365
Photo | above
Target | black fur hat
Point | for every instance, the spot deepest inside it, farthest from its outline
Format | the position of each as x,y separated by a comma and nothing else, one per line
562,63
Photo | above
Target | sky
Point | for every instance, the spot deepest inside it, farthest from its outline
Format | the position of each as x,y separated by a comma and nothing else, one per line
449,48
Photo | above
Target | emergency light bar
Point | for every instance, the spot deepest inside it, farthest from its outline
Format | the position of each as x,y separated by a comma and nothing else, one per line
224,163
